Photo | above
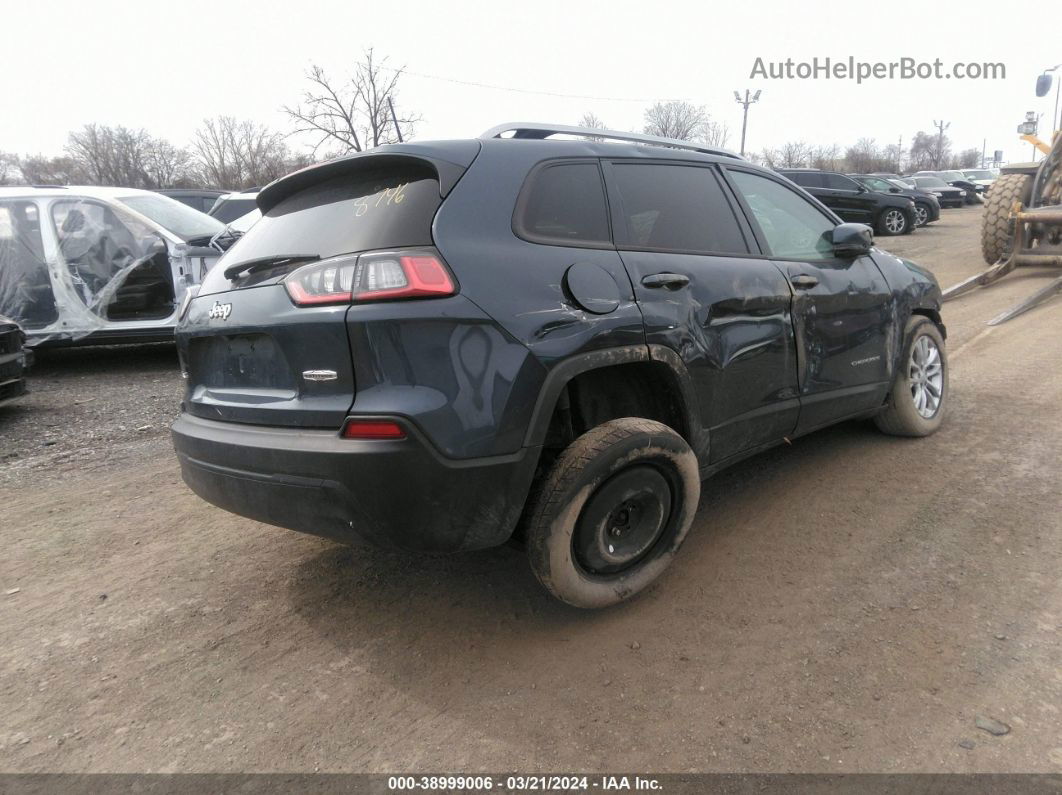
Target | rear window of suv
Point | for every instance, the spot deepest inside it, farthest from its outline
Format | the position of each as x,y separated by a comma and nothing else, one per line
341,215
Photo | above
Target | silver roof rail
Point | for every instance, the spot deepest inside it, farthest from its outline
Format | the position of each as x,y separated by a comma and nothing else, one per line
535,130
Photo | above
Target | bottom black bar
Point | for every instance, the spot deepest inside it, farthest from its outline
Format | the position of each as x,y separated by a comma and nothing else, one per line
672,784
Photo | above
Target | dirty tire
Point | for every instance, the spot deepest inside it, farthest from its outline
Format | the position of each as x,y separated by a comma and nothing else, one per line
996,230
893,221
586,476
900,416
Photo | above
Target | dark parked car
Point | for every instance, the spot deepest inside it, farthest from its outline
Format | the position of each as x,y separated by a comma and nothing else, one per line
926,206
887,213
956,179
947,195
201,199
444,345
14,359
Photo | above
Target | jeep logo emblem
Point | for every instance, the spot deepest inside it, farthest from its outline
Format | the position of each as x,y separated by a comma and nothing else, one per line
220,311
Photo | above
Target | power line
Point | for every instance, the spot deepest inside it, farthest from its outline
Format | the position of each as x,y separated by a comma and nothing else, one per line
495,87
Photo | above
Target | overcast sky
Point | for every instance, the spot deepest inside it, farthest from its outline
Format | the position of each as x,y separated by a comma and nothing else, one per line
164,66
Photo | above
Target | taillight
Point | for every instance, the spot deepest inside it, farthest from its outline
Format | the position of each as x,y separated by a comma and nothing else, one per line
372,429
378,275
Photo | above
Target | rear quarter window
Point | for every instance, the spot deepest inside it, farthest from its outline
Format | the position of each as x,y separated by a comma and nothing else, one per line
564,204
806,179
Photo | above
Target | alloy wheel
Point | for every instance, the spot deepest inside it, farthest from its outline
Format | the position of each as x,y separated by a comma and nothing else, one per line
925,375
895,221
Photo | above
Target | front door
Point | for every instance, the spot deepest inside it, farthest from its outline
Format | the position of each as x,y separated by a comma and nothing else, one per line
706,296
841,308
848,198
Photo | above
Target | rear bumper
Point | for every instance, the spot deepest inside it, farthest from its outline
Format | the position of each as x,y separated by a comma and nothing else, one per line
398,494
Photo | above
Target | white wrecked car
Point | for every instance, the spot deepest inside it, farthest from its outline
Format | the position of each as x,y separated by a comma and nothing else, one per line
101,265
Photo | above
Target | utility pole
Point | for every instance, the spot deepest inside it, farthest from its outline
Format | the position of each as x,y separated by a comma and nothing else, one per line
984,143
941,127
745,118
394,118
899,154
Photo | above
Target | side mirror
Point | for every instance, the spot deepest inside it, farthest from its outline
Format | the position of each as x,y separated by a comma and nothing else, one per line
1043,85
851,240
894,190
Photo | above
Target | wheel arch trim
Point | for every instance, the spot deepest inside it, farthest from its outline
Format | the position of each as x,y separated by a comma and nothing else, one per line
562,373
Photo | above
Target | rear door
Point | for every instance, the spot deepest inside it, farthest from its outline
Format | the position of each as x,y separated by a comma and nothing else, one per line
251,354
847,198
841,307
705,294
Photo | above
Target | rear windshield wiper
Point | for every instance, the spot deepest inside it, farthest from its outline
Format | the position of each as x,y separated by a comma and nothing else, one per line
252,265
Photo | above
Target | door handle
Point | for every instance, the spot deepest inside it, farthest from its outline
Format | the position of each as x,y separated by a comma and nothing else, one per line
670,281
804,281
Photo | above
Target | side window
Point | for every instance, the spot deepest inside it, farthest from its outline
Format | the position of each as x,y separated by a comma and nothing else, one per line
97,245
25,286
676,208
840,182
565,203
793,227
806,179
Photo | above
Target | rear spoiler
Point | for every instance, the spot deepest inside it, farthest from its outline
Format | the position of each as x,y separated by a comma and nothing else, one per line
449,160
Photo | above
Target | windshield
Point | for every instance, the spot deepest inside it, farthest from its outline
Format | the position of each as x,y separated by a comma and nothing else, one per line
173,216
898,183
876,183
980,174
930,182
952,175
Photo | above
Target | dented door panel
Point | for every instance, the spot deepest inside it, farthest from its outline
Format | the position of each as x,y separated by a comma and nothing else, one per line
733,329
844,325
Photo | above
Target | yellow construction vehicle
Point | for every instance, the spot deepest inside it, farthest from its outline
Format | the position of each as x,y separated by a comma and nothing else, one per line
1022,222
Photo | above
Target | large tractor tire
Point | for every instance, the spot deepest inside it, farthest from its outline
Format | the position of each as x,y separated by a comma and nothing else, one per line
997,231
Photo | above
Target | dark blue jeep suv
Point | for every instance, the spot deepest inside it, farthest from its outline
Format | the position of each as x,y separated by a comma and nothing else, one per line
444,345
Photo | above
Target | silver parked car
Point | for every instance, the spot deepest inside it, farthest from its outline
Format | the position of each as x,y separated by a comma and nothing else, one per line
101,265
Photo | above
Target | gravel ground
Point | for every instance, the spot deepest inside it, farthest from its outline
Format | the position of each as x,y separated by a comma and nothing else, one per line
88,407
850,603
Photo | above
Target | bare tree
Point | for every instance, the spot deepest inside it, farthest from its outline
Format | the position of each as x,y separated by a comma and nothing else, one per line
865,156
111,155
10,173
827,157
168,166
591,120
676,119
894,157
768,158
43,170
715,133
240,154
356,113
794,154
967,158
928,152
